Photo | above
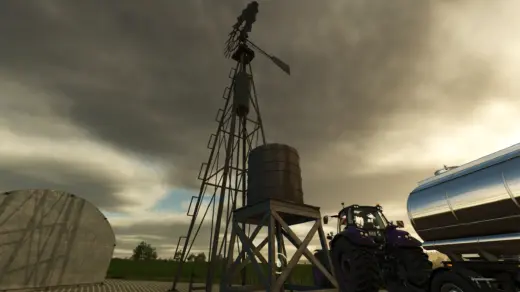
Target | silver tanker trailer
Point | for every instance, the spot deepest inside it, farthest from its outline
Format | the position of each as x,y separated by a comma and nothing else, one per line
471,213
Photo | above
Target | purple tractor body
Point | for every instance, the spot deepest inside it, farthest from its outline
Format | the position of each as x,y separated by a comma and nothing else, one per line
368,252
400,238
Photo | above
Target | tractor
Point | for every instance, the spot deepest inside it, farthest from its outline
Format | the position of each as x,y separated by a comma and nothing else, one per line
369,252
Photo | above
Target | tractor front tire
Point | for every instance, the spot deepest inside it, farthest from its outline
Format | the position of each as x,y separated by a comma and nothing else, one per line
356,268
414,268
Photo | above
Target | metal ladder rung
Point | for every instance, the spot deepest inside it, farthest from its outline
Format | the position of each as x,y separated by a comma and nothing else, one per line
218,117
189,207
211,141
232,72
202,169
226,93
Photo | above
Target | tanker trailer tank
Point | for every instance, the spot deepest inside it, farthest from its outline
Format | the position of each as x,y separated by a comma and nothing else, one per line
471,209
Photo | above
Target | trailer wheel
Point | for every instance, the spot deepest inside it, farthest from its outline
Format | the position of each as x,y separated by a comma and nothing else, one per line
450,282
415,266
356,268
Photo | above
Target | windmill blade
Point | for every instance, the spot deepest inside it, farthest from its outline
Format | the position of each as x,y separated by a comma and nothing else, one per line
281,64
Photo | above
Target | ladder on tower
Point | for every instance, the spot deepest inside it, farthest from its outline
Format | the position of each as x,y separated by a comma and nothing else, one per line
208,177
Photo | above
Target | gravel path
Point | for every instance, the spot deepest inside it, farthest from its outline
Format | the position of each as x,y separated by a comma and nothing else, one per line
112,285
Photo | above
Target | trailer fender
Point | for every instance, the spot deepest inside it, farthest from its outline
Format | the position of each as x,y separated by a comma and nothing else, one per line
458,272
454,282
356,236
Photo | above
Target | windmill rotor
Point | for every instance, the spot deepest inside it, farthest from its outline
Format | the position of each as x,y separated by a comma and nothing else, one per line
238,37
241,28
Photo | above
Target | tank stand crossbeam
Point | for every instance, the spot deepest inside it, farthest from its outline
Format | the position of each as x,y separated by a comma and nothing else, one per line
278,216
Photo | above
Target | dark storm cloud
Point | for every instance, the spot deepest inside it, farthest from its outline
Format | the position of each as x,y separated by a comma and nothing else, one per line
148,77
44,175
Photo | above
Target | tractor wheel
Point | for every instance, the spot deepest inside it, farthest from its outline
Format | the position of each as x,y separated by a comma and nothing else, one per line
414,269
356,268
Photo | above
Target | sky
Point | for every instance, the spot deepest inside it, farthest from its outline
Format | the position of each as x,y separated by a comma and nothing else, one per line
114,100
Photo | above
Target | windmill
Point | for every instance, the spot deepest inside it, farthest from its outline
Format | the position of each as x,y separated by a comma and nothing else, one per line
224,175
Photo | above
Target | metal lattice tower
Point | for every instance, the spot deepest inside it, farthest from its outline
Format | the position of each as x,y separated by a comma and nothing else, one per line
224,175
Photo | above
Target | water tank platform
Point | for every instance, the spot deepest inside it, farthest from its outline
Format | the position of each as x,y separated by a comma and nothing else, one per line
290,212
277,216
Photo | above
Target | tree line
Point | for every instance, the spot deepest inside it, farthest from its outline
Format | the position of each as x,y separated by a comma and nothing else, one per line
146,252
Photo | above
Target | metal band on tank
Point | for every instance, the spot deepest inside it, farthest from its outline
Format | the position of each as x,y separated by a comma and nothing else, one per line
470,223
509,192
449,205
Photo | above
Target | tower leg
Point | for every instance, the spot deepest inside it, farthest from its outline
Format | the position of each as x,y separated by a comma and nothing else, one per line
325,247
214,248
213,156
282,253
271,251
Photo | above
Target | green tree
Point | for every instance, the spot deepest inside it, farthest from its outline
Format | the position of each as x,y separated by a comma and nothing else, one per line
200,257
143,252
191,257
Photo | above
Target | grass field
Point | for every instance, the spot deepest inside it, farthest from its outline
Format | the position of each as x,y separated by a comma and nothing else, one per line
159,270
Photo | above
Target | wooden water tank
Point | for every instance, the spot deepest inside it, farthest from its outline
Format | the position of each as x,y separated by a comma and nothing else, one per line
274,173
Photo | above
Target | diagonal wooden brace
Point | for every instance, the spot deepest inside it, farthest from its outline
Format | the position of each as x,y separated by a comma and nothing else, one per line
236,264
291,236
296,257
252,252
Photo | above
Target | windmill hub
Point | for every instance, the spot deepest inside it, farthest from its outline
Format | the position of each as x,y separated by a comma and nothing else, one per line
243,54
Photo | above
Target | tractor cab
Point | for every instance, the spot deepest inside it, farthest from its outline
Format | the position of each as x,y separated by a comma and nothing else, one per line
363,217
368,218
